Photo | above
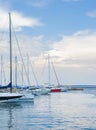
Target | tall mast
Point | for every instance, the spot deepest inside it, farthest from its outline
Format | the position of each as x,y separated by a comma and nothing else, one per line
10,39
16,70
28,66
1,68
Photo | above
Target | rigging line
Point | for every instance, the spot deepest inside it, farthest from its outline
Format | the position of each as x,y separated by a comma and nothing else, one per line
4,75
23,81
22,61
34,73
21,57
22,75
1,68
16,62
43,70
3,72
55,74
18,66
28,65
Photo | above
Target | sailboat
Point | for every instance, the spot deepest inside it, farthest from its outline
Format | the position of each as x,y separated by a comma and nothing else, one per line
38,89
27,95
58,88
55,89
10,96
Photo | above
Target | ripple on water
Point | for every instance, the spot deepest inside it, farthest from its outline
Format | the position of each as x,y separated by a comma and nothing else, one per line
59,111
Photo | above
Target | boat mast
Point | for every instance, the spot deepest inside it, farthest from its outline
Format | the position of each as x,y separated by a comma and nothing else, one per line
1,68
10,39
16,71
28,66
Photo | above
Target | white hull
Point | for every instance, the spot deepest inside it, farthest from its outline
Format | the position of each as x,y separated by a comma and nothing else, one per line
41,91
10,97
45,91
27,96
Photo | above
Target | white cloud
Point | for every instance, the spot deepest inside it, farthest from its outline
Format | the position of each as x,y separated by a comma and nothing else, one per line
91,14
34,46
84,33
18,20
78,49
72,55
28,45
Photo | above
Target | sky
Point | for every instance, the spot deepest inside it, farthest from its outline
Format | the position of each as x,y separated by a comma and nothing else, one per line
63,29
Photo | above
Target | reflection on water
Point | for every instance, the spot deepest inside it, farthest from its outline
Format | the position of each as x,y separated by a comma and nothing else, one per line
8,108
8,116
57,111
10,123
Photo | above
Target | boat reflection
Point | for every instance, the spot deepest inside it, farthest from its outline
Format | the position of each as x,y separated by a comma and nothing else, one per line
12,111
9,108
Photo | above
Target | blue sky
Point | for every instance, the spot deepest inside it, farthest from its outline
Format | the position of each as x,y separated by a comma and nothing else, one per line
58,16
65,29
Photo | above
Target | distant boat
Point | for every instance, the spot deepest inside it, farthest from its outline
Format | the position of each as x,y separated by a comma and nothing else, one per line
55,89
37,89
40,91
10,96
75,89
58,88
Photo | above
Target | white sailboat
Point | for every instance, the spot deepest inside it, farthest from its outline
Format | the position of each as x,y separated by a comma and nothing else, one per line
10,96
27,95
38,89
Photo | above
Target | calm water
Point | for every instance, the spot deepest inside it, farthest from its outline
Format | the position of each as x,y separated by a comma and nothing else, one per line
58,111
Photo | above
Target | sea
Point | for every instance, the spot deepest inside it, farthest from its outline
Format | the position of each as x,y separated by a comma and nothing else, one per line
71,110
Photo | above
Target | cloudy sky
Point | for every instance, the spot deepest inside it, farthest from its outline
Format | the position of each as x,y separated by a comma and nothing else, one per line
64,29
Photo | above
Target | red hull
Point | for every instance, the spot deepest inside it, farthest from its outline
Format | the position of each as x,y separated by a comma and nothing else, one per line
56,90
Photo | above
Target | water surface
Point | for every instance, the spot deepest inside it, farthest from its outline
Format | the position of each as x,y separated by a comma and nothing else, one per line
58,111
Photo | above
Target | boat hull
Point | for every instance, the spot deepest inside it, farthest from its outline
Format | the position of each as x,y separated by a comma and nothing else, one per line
41,91
29,97
10,97
55,90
